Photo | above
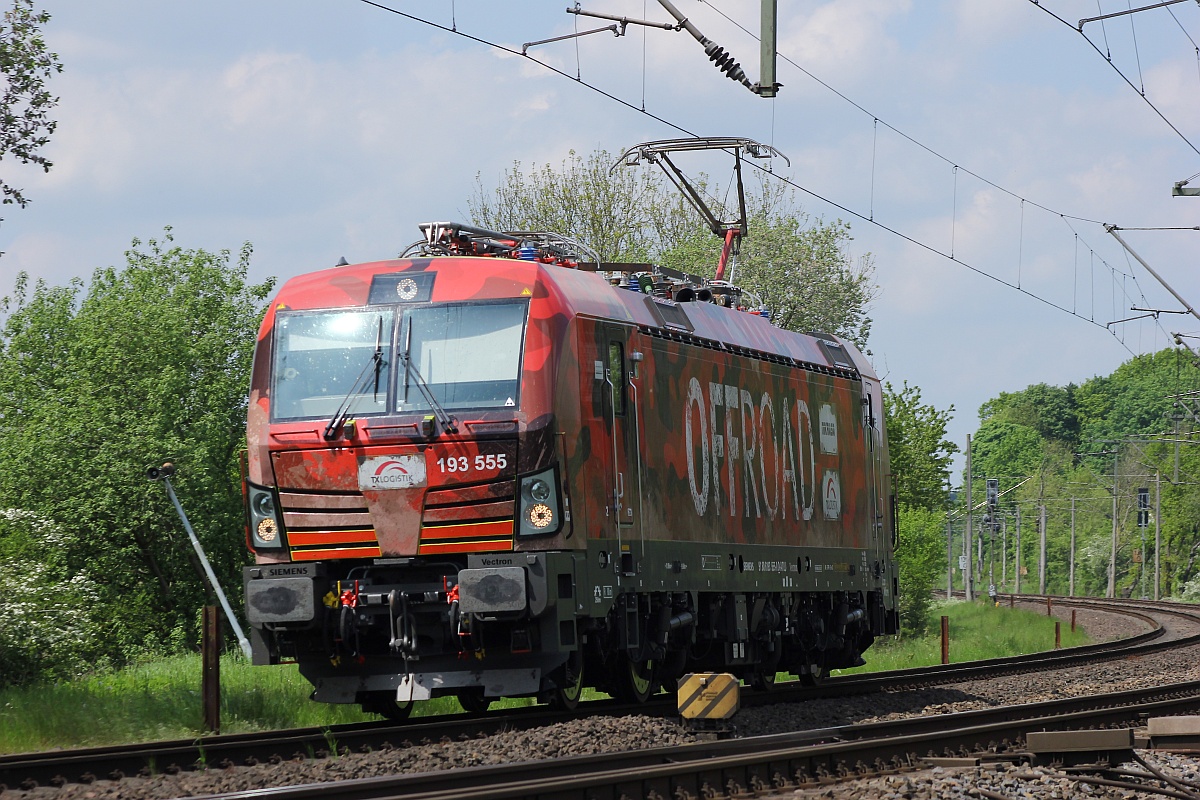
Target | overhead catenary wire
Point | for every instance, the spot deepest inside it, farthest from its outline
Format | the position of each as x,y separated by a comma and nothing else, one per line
1108,57
868,218
1195,47
955,167
1136,51
877,120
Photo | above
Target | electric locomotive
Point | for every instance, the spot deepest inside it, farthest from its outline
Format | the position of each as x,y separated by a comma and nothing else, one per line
497,467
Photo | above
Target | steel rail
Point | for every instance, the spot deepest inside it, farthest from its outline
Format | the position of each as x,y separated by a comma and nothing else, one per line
784,761
89,764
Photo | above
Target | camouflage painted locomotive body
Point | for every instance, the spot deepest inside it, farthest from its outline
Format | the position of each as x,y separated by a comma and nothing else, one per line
543,480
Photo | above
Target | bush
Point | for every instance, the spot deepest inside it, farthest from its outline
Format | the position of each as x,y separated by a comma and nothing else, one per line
48,625
921,558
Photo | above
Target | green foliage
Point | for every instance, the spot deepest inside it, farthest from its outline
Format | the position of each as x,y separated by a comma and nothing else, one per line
920,452
921,559
150,363
920,457
1048,410
614,213
1135,399
803,270
1006,449
1051,446
49,625
25,65
798,267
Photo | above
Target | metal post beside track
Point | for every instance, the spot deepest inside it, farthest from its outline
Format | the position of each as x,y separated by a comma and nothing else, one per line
164,474
210,656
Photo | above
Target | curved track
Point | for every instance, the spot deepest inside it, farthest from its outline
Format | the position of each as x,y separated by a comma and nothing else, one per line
760,764
1166,626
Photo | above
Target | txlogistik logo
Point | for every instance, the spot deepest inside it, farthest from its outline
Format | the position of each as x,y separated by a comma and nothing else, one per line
391,474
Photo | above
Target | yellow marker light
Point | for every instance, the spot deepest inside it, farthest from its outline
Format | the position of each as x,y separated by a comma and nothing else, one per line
267,531
540,515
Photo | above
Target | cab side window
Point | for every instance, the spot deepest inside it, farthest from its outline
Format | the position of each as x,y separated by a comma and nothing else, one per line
616,375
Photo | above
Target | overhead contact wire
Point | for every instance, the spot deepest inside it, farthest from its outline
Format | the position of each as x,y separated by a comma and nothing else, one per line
1137,54
804,190
897,131
1108,58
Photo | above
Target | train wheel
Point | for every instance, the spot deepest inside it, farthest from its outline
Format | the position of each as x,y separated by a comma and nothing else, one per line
763,681
816,673
763,678
473,701
635,680
566,698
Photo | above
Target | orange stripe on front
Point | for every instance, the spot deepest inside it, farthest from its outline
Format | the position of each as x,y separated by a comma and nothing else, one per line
503,527
465,547
345,552
332,537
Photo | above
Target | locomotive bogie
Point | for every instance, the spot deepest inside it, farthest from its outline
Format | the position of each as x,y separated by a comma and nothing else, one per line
510,624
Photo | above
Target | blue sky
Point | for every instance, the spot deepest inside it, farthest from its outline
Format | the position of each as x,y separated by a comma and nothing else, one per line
317,130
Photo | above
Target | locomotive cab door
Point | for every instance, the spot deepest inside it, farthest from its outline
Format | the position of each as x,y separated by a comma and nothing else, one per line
872,421
622,422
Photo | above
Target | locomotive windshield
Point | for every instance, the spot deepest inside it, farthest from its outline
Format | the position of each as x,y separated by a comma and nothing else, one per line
469,355
320,360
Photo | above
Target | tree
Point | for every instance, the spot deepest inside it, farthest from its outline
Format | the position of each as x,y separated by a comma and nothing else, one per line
1005,449
149,363
802,270
50,625
612,212
1048,410
919,450
25,64
921,561
920,456
1062,441
799,268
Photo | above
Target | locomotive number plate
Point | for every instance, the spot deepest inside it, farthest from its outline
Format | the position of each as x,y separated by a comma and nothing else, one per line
391,472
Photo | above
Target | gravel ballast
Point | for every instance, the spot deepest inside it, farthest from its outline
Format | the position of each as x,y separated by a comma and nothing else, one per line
616,735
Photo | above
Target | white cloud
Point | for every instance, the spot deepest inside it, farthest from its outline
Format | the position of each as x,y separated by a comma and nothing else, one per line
842,38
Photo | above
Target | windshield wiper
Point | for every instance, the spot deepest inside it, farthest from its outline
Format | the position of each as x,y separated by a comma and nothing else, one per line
334,428
448,422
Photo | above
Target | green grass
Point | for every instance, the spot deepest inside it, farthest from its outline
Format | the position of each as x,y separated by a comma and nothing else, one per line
978,631
161,700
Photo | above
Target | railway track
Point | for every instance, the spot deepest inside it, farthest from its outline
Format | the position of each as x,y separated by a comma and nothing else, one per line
1165,627
777,763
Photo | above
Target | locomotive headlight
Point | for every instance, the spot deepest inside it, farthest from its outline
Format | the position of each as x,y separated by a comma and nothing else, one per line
266,527
539,490
538,505
264,504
